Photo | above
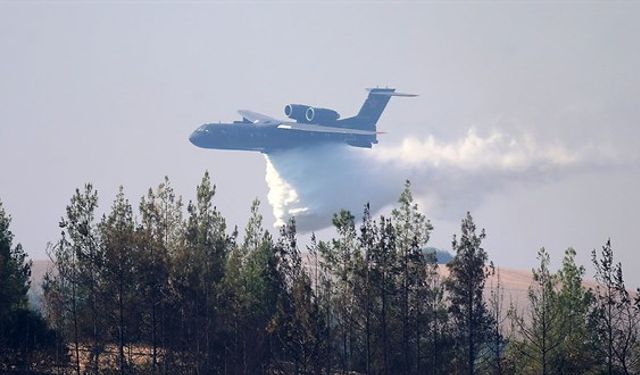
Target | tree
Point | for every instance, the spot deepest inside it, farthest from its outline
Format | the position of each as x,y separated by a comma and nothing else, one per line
541,335
25,338
382,277
193,298
72,286
159,236
117,231
575,302
80,227
323,294
197,272
248,299
15,271
339,260
439,342
61,289
468,272
367,242
296,317
412,234
263,283
497,341
614,317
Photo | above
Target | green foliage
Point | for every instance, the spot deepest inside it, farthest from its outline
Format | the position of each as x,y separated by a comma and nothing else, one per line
121,257
248,296
468,273
541,332
73,293
575,302
614,317
15,270
163,292
413,230
26,342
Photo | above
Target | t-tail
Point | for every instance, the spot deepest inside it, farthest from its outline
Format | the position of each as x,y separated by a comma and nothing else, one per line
371,110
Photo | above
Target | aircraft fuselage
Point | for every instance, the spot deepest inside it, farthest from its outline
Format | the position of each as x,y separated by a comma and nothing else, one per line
247,136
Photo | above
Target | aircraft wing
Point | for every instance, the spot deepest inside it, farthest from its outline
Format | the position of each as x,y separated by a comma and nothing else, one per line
259,118
322,129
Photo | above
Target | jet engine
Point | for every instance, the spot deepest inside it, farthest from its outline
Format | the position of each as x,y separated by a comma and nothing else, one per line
296,112
321,115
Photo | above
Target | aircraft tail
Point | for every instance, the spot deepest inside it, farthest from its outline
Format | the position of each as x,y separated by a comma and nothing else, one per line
372,109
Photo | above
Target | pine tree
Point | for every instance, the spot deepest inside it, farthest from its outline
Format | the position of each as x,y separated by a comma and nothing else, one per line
367,242
61,294
263,283
614,317
323,294
318,308
24,336
196,276
497,340
235,307
72,287
412,234
117,231
251,286
80,227
339,260
15,271
436,320
159,236
296,315
468,272
576,352
541,335
384,269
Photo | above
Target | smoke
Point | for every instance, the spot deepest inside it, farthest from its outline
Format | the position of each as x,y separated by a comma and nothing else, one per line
448,178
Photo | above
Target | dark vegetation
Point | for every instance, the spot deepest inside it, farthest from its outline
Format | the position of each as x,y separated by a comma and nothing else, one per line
161,292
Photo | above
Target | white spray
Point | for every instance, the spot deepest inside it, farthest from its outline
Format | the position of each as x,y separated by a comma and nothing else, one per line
448,178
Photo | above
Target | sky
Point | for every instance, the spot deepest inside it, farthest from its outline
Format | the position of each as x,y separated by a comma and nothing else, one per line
108,93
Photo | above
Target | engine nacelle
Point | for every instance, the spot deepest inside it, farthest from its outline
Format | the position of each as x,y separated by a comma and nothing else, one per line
296,112
321,115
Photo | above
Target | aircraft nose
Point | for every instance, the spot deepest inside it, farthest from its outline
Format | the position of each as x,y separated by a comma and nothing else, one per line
194,138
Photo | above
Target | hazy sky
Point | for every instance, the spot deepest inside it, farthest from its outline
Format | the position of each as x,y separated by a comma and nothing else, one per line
109,93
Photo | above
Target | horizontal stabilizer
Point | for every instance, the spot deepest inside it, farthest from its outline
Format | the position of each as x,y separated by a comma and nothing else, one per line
390,93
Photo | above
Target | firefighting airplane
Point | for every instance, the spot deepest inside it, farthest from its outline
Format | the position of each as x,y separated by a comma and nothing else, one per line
312,126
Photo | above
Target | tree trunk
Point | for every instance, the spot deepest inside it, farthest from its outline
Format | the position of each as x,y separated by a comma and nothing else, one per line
418,349
154,343
385,347
75,325
470,327
405,313
368,315
121,328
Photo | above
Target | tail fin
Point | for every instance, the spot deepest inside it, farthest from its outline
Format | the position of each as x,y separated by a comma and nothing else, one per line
371,110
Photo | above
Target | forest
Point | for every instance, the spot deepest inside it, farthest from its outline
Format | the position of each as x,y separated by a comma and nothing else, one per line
169,288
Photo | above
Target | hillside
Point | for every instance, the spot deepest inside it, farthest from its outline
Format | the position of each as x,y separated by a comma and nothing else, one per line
514,281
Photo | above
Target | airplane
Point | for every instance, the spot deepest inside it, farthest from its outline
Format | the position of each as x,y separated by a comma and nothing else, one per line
311,126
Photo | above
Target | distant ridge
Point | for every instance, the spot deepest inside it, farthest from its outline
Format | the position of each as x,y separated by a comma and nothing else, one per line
514,282
442,256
